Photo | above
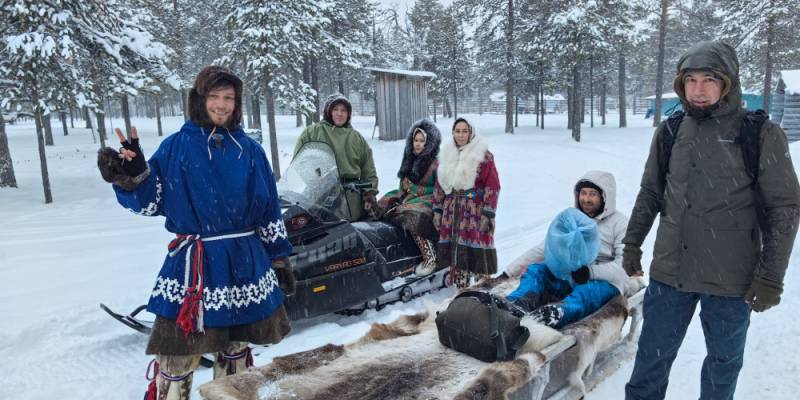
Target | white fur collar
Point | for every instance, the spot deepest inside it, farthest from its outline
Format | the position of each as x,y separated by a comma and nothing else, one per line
459,168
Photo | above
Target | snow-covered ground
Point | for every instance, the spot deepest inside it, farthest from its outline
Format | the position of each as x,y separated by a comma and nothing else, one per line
58,261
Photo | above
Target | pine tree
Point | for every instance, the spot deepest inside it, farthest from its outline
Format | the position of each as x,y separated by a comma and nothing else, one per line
765,36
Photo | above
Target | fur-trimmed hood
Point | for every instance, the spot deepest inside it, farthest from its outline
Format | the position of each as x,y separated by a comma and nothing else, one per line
414,166
458,167
208,79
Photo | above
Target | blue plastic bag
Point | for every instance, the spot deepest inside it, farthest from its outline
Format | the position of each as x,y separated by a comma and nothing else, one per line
572,242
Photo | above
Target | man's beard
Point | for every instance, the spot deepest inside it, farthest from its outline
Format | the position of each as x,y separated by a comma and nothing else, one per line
701,112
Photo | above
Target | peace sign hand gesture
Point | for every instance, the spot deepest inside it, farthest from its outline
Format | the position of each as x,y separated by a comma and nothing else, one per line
133,162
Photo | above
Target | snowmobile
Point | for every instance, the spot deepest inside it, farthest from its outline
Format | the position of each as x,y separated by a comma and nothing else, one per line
340,266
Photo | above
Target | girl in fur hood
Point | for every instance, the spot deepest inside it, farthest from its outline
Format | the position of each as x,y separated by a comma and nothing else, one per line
464,204
410,206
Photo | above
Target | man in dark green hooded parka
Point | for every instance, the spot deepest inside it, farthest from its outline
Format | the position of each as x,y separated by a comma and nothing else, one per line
710,247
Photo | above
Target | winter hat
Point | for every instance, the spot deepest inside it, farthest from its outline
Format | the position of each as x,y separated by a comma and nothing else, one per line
587,184
572,241
211,78
333,100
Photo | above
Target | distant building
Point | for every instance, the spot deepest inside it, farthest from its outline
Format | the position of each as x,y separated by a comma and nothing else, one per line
401,98
785,109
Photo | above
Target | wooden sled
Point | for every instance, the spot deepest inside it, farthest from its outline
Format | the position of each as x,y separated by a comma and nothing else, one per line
404,360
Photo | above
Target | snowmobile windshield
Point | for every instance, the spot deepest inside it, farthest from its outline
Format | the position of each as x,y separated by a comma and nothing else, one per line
312,180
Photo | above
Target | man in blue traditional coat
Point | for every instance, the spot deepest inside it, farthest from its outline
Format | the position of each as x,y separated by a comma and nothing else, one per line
223,281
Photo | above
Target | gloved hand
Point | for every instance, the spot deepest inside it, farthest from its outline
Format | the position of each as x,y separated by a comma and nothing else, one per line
286,280
437,220
632,260
581,275
133,162
487,224
126,168
370,204
763,294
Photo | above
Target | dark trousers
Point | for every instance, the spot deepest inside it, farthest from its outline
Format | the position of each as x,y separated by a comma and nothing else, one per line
667,313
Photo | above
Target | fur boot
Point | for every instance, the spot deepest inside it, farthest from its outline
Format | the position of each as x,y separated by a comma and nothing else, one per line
236,358
428,264
174,380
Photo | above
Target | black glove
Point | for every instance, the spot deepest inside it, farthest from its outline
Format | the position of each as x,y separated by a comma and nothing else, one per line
138,165
763,294
286,280
581,275
114,170
632,259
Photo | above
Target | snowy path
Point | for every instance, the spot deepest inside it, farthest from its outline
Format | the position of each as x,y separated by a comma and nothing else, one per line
58,261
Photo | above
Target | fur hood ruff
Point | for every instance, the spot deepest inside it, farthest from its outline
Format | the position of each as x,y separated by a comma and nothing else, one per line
458,168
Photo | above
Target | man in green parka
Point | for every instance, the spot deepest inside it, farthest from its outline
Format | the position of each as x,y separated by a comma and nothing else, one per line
710,247
353,154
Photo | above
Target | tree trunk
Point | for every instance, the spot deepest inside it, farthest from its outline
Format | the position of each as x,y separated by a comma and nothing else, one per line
315,85
536,104
591,92
603,89
621,103
257,112
577,107
570,105
185,104
86,118
71,118
542,104
7,177
48,130
101,126
273,132
662,34
516,111
455,97
448,113
48,196
126,115
509,68
434,109
307,79
158,115
64,122
298,121
768,62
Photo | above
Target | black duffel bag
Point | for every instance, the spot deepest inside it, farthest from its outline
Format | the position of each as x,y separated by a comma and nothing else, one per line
482,326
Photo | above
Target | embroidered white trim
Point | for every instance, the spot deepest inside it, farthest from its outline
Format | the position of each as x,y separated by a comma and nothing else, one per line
172,290
272,232
152,208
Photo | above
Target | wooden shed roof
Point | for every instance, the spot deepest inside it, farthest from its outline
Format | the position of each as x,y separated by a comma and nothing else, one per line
403,72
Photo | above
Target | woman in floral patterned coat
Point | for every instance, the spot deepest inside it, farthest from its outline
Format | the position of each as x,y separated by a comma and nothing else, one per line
410,206
464,204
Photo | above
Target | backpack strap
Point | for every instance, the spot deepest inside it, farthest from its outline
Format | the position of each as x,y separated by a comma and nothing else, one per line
668,137
750,143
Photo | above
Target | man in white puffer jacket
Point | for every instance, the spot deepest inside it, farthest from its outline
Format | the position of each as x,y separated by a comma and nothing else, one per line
595,196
